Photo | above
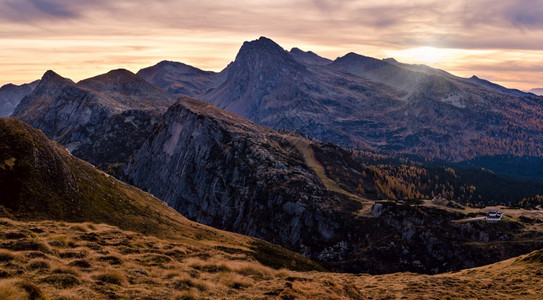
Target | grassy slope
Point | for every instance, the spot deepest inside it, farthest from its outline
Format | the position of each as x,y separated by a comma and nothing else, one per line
59,260
41,180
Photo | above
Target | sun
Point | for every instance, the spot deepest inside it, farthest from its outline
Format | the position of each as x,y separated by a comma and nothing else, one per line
421,55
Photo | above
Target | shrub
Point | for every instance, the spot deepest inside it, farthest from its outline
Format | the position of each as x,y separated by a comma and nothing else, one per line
73,254
78,228
65,271
235,281
34,292
187,295
27,245
211,268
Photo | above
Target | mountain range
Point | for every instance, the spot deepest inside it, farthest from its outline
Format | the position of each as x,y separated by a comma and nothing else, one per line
366,103
254,156
537,91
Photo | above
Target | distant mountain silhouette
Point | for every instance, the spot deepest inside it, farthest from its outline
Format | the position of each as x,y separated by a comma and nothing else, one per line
11,95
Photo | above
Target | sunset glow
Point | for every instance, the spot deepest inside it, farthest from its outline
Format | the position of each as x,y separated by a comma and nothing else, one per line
500,41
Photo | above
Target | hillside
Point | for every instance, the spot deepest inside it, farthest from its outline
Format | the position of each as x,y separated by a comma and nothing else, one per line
40,180
58,260
228,172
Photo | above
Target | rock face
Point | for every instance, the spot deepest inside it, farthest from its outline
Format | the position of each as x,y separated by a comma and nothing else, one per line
11,95
102,120
222,170
178,78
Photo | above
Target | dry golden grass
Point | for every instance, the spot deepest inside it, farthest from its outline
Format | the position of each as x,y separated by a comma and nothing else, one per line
107,262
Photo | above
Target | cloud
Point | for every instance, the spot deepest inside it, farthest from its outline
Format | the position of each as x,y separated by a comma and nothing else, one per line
210,32
36,10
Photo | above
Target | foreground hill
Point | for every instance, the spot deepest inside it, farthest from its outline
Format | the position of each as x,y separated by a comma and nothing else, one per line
40,180
57,260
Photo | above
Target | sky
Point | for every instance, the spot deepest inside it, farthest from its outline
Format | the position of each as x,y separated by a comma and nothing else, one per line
501,41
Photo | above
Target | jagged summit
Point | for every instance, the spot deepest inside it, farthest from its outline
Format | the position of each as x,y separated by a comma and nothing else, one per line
263,54
51,77
390,60
113,77
263,43
496,87
356,58
49,85
179,66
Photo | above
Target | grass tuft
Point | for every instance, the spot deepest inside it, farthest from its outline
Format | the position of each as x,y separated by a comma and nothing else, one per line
9,289
80,263
6,256
61,280
112,277
38,264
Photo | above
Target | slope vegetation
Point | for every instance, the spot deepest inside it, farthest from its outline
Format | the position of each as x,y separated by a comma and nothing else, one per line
58,260
41,180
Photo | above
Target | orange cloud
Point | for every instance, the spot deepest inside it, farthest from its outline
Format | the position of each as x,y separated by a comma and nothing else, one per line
82,38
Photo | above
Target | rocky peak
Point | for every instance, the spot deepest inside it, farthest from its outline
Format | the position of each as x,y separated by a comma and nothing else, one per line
50,85
353,61
390,60
264,55
178,67
112,80
178,78
308,57
51,81
129,89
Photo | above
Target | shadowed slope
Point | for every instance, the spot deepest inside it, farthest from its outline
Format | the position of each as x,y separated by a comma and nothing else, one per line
41,180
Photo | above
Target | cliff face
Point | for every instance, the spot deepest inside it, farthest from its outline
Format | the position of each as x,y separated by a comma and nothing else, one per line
222,170
225,171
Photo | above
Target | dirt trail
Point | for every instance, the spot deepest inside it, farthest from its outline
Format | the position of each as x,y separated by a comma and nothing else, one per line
304,147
